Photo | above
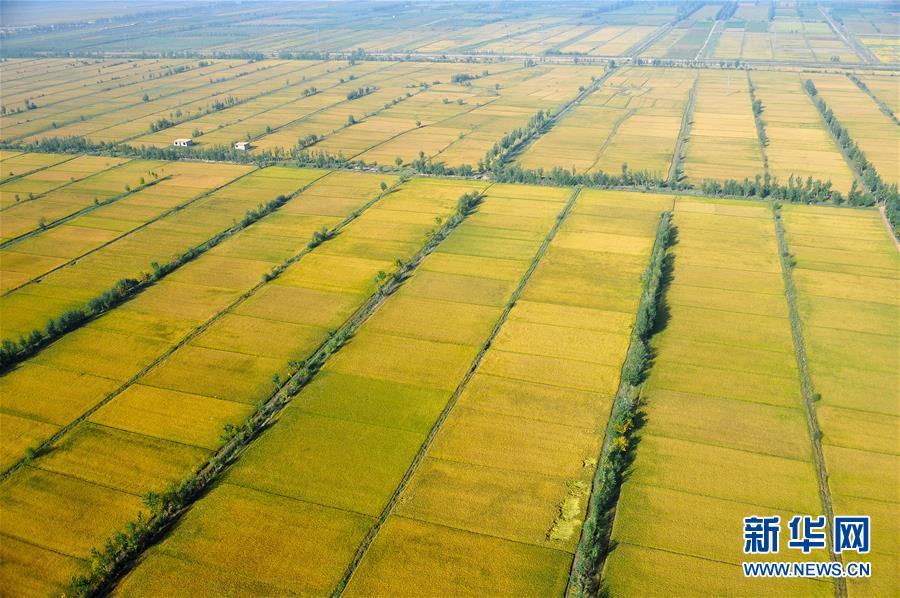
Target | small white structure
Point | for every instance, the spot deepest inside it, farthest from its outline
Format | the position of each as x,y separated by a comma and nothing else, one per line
242,145
183,142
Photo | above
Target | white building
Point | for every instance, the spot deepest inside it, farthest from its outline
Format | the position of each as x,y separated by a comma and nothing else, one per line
242,145
183,142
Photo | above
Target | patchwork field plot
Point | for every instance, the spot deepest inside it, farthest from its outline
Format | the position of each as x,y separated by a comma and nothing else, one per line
64,267
633,118
725,431
510,470
723,143
348,438
848,288
870,128
32,186
205,380
444,299
798,143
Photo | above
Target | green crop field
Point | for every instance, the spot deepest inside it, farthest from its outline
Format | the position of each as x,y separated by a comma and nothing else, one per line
573,299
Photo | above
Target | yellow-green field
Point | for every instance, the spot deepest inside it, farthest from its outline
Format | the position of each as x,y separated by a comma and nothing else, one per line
848,301
723,143
869,127
633,118
165,419
725,434
509,471
348,438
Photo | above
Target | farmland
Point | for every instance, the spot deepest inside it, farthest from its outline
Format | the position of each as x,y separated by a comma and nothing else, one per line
442,299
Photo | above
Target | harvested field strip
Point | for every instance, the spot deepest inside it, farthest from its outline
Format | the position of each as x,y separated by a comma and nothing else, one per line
384,390
320,299
54,178
512,476
852,351
694,454
798,143
80,260
723,142
869,127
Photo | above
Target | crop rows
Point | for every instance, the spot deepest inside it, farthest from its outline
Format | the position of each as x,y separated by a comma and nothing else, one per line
847,285
207,348
724,433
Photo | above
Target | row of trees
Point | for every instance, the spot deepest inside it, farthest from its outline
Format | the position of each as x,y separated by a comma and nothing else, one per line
125,545
615,454
13,351
875,189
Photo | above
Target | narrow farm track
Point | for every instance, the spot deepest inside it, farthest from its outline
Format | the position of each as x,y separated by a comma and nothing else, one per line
44,446
806,388
401,487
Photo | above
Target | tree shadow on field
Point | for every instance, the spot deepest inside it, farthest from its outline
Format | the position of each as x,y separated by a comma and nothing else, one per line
639,420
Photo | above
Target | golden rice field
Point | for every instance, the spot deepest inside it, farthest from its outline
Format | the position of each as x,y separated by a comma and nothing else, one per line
725,434
848,288
391,349
633,118
723,141
872,130
420,432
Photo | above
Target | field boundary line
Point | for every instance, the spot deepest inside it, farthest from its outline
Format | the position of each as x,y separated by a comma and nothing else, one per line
241,102
141,102
676,167
166,509
16,177
808,394
66,184
628,113
551,121
47,444
85,210
616,446
451,402
884,107
143,225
